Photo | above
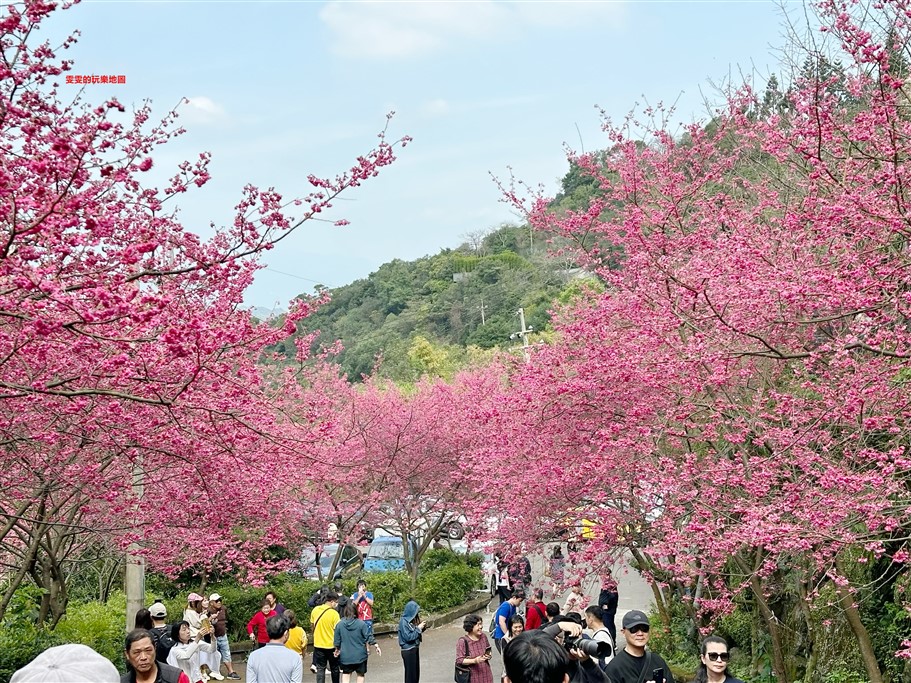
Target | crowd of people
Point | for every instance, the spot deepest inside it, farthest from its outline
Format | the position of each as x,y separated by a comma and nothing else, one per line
539,642
575,643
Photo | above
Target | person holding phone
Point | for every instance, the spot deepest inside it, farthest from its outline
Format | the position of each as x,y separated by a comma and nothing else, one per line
411,631
629,664
473,650
714,666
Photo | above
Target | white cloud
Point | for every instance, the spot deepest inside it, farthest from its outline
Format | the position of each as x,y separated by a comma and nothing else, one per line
437,107
202,110
404,29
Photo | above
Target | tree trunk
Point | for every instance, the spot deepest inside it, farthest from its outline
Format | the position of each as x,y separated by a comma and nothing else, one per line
646,563
771,619
803,605
867,654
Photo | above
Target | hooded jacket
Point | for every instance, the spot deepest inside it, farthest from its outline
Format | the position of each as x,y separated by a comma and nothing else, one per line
409,634
351,637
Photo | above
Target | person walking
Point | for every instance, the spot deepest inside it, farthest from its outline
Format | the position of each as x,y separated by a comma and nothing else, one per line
503,588
218,617
324,618
364,601
256,627
608,599
411,630
502,616
556,569
473,650
596,630
535,610
275,663
142,664
297,638
628,664
714,662
575,601
351,638
274,603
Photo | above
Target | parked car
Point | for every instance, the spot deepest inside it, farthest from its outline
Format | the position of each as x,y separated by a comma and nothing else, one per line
317,567
386,554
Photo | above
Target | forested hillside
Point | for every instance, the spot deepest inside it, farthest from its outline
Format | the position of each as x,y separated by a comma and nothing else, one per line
435,314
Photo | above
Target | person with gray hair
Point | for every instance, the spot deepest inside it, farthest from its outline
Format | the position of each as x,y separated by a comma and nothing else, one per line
275,663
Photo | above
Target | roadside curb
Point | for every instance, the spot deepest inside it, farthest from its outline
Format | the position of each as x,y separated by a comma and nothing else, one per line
435,620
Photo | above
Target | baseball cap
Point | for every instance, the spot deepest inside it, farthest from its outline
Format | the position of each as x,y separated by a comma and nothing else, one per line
158,610
214,597
635,618
71,663
193,597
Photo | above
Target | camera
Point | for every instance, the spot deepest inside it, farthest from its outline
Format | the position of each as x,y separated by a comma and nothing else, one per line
593,648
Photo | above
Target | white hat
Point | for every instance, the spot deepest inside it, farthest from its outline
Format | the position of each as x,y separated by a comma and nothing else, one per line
71,663
215,597
158,611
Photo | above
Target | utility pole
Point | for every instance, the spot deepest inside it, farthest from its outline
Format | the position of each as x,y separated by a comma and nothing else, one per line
134,582
523,334
482,308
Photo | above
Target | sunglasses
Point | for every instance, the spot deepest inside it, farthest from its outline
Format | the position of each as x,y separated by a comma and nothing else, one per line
716,656
638,628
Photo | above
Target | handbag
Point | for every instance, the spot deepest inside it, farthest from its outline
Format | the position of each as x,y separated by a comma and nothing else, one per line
462,673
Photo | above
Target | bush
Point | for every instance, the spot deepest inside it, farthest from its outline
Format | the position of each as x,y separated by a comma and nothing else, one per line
20,644
98,625
446,587
440,557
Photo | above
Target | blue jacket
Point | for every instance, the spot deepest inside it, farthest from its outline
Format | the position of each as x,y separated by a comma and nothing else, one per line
409,634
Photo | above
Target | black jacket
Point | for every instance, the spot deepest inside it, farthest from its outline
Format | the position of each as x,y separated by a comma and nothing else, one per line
624,668
166,674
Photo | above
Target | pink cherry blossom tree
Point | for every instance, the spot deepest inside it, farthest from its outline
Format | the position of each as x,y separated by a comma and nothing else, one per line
733,407
128,363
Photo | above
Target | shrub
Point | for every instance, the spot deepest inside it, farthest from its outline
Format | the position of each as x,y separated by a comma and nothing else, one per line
20,644
446,587
440,557
98,625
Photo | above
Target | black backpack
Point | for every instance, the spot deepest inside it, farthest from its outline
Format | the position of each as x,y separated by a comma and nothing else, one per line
161,636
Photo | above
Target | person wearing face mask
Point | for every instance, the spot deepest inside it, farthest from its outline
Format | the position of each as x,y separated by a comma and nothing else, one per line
714,662
629,665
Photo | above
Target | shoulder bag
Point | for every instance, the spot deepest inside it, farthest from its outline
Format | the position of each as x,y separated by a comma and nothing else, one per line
462,673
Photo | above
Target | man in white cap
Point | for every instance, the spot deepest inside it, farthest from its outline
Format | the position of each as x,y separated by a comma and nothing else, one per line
161,632
218,617
68,664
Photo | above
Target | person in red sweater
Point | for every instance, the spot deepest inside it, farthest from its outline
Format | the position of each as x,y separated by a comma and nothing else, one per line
258,623
535,610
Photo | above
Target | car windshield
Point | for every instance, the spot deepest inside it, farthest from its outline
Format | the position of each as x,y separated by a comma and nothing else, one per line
328,554
308,556
386,551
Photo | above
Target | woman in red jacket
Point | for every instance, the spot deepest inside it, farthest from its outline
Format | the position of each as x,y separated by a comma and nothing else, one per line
258,623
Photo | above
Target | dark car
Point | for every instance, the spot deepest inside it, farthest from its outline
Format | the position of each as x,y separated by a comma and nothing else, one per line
349,562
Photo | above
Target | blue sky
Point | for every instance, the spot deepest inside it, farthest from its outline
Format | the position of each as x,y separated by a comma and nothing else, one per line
281,89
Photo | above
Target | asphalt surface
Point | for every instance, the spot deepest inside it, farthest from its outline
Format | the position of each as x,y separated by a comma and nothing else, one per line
438,647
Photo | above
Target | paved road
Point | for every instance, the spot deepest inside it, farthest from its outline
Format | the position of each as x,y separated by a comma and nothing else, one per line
438,648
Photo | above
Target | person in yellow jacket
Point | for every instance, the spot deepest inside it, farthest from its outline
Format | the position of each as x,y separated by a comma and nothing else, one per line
297,638
324,618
